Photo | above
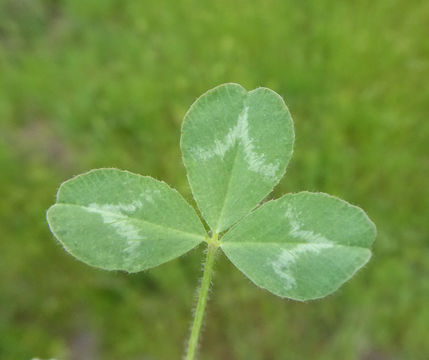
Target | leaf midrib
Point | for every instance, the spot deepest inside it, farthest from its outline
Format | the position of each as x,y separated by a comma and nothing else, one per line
193,235
289,242
236,147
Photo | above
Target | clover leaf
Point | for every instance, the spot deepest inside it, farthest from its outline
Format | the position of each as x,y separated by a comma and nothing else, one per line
236,146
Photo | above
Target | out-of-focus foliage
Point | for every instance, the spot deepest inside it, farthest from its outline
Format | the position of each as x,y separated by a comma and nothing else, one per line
87,84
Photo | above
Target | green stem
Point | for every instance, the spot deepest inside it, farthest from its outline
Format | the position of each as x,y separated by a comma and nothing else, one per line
202,298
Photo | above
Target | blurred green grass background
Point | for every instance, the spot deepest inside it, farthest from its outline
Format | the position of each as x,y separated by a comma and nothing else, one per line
86,84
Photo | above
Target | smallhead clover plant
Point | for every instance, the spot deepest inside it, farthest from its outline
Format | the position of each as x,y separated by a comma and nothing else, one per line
236,146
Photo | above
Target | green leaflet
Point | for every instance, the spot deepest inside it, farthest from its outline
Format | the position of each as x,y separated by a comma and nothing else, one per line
236,146
117,220
302,246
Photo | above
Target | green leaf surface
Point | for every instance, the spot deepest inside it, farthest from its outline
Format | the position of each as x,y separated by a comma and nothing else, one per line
236,146
302,246
117,220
